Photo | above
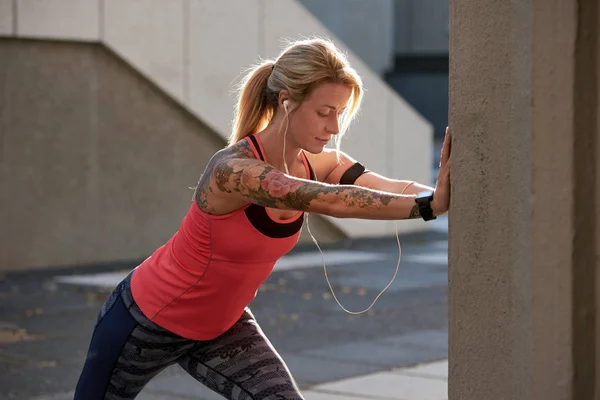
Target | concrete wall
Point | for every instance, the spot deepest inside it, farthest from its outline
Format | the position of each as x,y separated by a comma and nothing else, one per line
95,161
524,270
192,50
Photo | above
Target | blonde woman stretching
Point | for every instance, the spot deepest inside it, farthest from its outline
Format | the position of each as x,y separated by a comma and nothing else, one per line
188,302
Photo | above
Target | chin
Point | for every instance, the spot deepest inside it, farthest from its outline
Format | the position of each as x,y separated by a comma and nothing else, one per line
315,149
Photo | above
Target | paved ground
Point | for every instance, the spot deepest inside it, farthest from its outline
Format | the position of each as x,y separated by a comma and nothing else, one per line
45,324
422,382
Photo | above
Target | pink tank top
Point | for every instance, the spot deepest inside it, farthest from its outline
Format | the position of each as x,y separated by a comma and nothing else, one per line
198,284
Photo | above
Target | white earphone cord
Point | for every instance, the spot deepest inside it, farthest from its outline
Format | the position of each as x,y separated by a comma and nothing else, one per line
319,247
327,278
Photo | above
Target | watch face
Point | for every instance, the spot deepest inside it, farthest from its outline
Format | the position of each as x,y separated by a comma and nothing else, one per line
427,193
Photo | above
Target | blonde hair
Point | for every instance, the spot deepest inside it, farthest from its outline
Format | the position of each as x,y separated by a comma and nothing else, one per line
300,67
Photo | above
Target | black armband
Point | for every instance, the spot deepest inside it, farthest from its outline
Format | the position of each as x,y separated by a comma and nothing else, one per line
352,174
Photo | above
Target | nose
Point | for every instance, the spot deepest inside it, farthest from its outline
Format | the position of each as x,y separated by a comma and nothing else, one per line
333,126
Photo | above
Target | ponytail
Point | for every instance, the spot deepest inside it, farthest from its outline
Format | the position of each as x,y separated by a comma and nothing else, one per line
254,108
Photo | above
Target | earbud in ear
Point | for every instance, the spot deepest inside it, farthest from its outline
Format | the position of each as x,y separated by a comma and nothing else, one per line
285,103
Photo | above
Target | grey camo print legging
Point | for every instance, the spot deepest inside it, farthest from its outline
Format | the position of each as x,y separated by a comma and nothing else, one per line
127,350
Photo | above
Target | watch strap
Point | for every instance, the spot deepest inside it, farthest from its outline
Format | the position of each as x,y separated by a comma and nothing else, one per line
423,201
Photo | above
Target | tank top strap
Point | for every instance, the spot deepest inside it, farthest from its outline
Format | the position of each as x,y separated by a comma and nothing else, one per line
256,147
259,152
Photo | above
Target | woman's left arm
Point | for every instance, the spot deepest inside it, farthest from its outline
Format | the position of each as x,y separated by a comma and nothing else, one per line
348,171
372,180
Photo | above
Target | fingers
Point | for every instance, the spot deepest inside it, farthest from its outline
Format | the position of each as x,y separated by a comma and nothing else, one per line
447,142
446,148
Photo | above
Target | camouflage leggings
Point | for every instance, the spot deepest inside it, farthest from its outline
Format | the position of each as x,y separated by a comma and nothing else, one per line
127,350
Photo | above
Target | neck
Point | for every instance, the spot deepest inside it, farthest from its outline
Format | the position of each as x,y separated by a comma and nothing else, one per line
272,139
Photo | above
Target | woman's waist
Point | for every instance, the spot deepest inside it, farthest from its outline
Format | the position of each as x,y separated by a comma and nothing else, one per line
195,309
160,275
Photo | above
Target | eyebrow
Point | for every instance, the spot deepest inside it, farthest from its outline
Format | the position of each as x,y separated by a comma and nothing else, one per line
332,107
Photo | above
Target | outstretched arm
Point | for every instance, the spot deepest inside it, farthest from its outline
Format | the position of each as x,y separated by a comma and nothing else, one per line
370,179
375,181
260,183
378,182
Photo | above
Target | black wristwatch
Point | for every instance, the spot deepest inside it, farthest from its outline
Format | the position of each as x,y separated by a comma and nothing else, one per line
424,200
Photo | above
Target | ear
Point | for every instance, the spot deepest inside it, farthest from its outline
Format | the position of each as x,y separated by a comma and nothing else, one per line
283,96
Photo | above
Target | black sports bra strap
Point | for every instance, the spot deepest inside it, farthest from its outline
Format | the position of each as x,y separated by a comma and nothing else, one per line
257,147
312,173
310,169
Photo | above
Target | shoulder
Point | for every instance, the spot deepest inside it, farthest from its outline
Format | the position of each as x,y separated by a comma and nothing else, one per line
241,149
329,165
219,180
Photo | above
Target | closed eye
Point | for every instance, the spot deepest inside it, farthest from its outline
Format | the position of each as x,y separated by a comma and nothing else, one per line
326,114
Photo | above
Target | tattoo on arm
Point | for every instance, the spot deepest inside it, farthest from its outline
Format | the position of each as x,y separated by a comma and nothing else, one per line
204,191
266,186
415,213
202,196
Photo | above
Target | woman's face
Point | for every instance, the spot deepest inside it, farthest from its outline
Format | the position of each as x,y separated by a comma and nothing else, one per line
317,119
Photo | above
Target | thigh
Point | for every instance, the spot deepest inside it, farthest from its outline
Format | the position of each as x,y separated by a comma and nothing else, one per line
242,364
124,354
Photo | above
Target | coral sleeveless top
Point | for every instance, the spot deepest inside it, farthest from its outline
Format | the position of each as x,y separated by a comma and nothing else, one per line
198,284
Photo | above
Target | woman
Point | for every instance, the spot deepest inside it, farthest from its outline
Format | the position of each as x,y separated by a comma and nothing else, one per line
187,303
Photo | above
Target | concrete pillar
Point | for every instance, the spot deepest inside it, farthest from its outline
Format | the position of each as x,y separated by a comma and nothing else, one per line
524,243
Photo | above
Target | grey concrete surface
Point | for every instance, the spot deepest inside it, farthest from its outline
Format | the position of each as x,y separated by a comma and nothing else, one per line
524,307
45,327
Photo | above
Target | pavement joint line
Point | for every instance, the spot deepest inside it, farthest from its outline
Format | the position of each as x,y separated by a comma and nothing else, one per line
415,346
355,395
56,396
401,371
174,395
384,367
420,375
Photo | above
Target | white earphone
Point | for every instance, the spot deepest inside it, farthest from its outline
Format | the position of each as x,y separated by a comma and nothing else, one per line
285,107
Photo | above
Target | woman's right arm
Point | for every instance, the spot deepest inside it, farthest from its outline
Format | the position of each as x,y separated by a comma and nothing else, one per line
260,183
